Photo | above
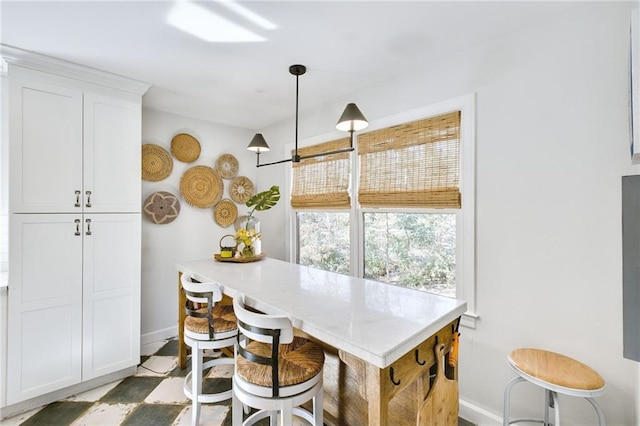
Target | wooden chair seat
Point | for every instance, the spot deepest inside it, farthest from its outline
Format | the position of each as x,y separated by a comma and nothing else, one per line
223,320
556,369
298,362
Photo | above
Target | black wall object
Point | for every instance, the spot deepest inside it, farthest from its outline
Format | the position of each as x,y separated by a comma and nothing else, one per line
631,266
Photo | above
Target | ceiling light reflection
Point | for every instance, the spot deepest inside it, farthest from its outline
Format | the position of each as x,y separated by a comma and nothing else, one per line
248,14
207,25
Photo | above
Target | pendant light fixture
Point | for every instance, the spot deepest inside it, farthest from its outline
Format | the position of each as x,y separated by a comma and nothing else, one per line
350,121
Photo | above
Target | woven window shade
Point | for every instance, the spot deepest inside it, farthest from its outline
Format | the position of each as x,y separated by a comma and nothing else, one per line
322,181
414,164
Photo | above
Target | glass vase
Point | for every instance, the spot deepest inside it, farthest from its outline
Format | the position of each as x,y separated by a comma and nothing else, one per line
250,223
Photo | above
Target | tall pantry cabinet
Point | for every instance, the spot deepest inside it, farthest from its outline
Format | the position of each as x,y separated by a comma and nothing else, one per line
74,227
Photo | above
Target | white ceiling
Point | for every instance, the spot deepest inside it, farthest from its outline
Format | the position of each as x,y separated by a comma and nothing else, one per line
346,45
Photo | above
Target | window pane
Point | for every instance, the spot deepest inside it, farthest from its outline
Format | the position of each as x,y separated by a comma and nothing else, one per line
416,250
323,240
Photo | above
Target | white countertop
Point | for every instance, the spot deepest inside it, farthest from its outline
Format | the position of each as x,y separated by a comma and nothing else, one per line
373,321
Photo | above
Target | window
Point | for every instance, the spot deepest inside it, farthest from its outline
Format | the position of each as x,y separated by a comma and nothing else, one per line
324,240
415,250
411,222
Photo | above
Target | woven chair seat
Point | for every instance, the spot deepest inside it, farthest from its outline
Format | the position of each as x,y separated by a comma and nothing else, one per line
299,361
556,369
223,320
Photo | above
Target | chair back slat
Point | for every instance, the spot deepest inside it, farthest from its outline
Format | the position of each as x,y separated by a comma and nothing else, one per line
260,327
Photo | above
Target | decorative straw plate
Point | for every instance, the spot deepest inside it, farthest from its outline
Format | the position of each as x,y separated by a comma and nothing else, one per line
225,213
157,163
241,189
161,207
185,147
239,259
201,186
227,166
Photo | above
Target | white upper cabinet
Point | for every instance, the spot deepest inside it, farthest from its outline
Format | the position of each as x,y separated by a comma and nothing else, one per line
112,140
45,147
73,148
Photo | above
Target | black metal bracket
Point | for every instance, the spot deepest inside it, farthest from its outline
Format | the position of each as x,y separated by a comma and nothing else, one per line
418,360
392,379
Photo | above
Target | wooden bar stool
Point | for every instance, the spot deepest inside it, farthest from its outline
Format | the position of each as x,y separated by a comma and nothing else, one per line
555,373
213,326
275,371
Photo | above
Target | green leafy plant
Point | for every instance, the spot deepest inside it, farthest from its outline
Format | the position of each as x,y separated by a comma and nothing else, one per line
263,201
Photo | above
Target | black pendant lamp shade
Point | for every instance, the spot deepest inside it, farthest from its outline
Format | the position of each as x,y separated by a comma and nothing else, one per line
351,119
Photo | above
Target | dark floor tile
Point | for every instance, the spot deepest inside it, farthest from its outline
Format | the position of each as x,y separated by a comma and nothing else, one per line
181,372
153,414
58,414
463,422
216,385
143,358
132,389
169,349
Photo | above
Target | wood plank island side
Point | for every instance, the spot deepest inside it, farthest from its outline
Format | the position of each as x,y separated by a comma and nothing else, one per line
358,387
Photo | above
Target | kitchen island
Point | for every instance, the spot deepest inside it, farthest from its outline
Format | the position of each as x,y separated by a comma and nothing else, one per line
385,334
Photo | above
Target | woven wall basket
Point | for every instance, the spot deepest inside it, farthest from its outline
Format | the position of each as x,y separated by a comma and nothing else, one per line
227,166
161,207
157,163
201,186
225,213
185,147
241,189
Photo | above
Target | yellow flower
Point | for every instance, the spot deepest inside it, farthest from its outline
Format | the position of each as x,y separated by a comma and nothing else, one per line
246,237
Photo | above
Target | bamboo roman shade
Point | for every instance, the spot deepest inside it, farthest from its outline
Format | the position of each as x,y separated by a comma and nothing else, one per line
322,181
414,164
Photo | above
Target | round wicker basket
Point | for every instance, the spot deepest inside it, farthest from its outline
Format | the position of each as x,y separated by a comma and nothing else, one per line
227,166
241,189
225,213
185,147
201,186
161,207
157,163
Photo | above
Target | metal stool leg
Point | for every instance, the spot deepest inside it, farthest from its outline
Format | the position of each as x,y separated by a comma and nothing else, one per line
548,402
507,399
599,411
556,407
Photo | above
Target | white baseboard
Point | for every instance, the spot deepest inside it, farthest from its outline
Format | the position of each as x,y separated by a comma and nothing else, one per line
478,415
156,336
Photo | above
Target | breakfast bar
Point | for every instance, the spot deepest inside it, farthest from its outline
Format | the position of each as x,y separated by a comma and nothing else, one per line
385,334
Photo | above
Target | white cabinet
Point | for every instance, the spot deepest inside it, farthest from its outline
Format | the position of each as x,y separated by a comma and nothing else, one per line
44,340
72,150
74,227
74,305
111,293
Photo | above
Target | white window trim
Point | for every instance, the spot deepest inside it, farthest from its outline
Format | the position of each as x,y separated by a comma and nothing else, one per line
465,231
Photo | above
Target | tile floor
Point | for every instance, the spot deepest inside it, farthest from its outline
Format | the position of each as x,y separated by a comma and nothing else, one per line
152,397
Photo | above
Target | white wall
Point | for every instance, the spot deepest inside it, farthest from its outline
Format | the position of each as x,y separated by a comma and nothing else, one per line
552,145
194,234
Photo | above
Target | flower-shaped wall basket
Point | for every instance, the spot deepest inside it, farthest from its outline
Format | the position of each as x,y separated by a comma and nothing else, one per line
161,207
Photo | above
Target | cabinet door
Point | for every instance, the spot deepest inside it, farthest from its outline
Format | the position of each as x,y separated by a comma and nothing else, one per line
112,141
45,304
45,125
111,318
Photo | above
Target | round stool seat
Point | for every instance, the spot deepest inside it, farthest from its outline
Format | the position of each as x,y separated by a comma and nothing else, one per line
223,320
298,362
558,371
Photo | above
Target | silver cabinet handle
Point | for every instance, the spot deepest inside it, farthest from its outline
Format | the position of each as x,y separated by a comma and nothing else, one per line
77,221
88,199
88,222
77,204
